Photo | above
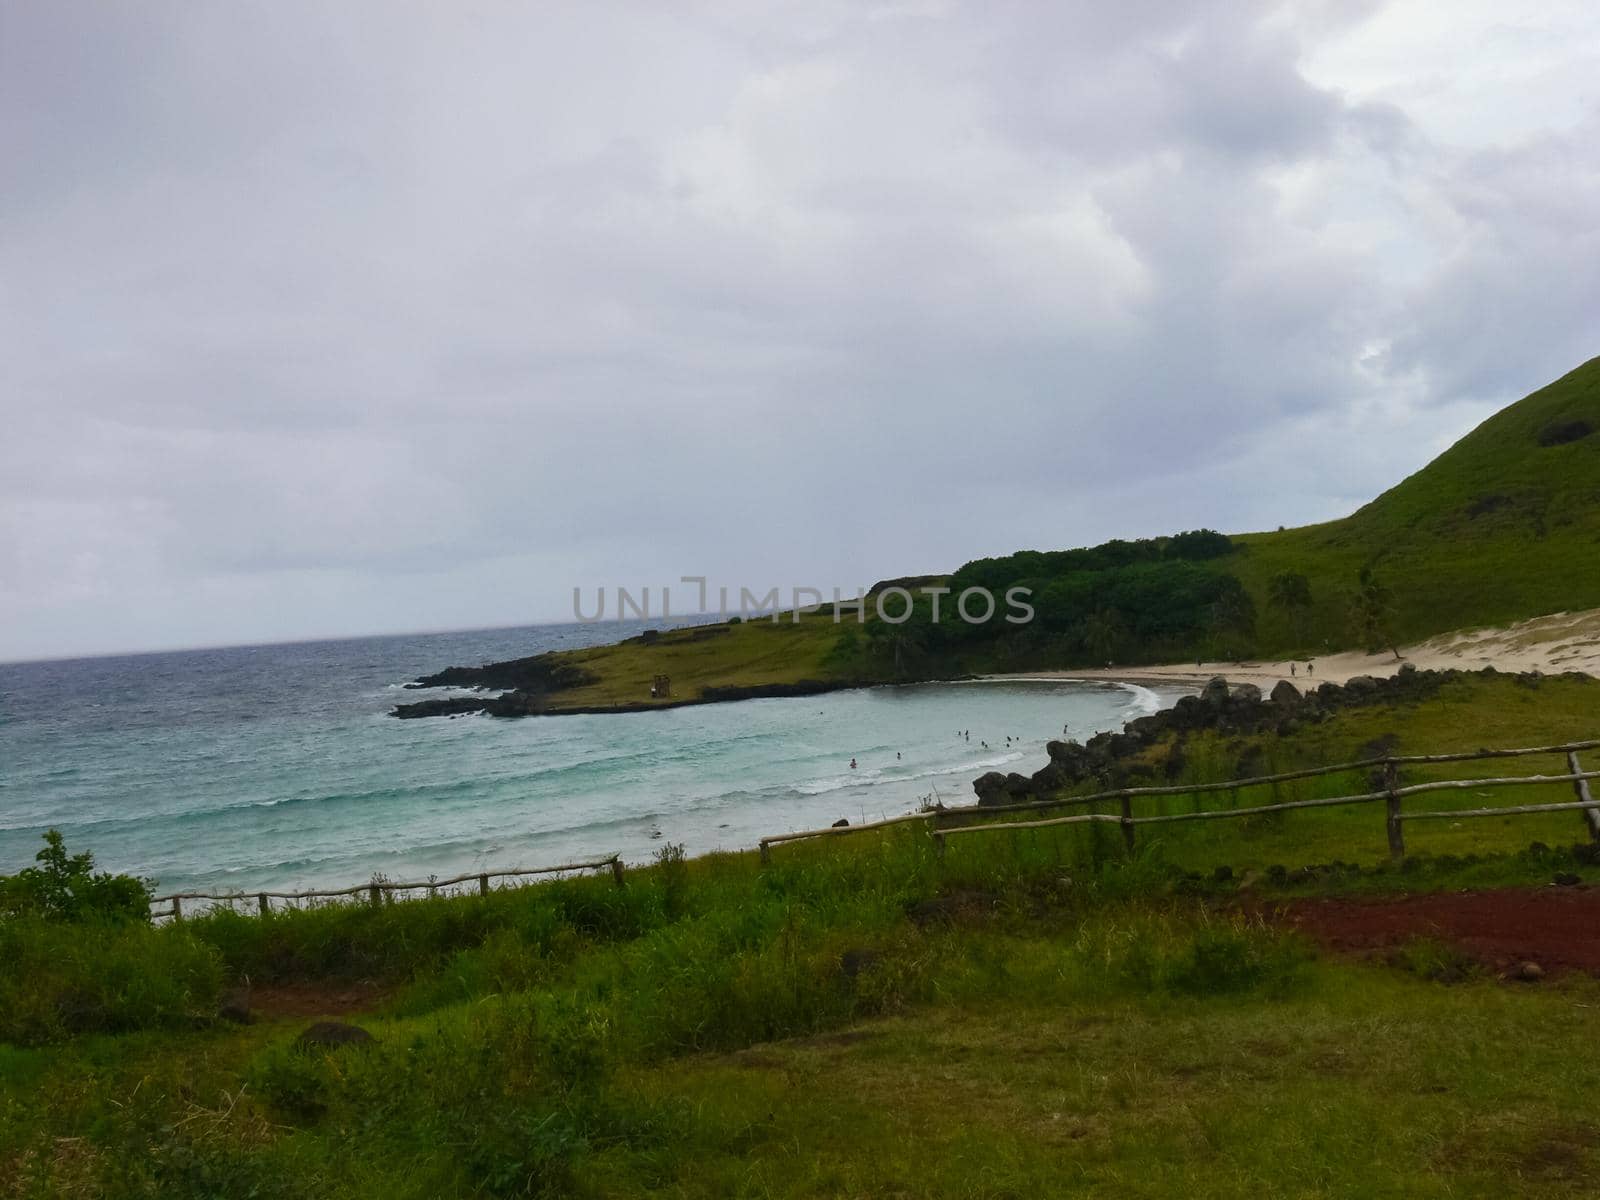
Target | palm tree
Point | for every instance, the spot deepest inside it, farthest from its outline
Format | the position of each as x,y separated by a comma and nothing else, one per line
1291,591
900,642
1371,609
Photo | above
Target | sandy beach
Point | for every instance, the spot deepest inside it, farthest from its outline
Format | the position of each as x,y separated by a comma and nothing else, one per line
1552,644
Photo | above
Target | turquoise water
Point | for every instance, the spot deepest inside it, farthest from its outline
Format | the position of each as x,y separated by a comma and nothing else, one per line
276,766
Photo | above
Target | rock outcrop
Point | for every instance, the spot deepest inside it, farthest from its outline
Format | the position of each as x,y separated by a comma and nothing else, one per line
545,672
1220,706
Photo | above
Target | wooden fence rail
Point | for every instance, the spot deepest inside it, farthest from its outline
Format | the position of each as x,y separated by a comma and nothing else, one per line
1391,796
376,889
972,816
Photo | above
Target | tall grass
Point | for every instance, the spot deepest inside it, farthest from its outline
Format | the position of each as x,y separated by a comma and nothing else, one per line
59,981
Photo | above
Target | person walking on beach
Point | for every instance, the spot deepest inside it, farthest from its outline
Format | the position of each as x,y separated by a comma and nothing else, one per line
1308,669
1291,670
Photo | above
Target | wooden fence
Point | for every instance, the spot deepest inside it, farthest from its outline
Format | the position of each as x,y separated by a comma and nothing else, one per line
970,819
377,888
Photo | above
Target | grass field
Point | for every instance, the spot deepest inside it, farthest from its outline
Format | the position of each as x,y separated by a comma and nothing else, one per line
1037,1013
758,651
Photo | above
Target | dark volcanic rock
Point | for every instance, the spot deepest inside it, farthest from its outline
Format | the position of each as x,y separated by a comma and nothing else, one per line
537,703
991,788
454,706
1234,710
540,673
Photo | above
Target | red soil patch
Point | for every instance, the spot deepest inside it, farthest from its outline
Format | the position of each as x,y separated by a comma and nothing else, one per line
1556,927
272,1001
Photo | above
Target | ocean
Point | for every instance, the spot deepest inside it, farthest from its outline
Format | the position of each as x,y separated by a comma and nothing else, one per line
277,767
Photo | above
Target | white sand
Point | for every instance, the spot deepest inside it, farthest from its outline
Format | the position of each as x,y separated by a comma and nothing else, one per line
1560,642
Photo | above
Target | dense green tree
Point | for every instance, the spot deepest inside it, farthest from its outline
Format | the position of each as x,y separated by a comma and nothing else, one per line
66,887
1101,634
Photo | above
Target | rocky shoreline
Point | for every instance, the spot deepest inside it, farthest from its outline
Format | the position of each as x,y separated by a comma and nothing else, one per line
535,702
1223,707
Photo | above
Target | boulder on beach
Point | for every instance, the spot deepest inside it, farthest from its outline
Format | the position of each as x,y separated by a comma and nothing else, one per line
1285,694
990,787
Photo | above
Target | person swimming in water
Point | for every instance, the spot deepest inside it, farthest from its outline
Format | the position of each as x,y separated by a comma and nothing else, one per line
852,764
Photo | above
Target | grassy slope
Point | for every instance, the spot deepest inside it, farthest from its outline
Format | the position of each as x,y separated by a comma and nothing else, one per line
754,652
683,1036
1357,1085
1539,552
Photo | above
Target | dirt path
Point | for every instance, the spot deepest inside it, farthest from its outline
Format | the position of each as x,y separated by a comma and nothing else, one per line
316,999
1556,927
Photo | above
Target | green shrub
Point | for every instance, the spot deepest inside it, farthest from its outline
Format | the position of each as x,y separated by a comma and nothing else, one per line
66,887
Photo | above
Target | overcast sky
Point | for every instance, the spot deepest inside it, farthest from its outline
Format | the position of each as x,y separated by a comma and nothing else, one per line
328,318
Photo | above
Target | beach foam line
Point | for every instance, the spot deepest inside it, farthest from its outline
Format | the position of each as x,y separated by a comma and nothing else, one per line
871,775
1145,702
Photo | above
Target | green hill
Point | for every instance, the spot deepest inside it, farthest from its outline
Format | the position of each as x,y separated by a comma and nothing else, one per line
1502,526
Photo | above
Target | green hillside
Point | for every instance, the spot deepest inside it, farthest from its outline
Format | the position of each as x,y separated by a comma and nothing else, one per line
1503,526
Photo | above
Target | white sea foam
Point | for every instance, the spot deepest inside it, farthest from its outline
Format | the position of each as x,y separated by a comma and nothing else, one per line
1144,700
865,776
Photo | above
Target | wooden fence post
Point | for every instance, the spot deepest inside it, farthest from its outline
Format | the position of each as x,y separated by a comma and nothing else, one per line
938,845
483,885
177,909
263,905
1127,822
616,869
1591,817
377,895
1397,837
766,853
